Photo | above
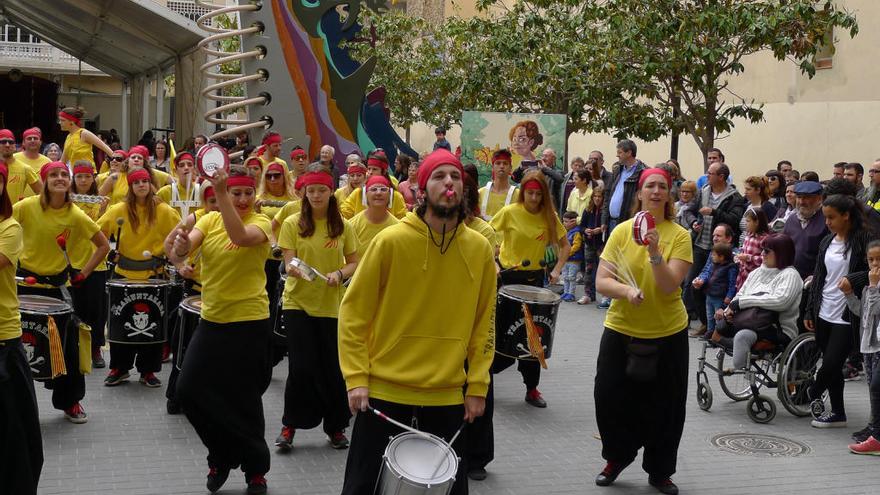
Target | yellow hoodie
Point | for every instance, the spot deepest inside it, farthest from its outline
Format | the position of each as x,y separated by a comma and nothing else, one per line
416,356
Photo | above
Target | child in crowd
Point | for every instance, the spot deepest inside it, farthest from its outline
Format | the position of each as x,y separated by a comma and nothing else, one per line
868,439
719,283
593,240
573,264
750,256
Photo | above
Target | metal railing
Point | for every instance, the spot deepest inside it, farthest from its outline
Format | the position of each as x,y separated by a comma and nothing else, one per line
39,55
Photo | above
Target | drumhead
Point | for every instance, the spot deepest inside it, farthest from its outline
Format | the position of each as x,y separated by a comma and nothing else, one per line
153,282
418,458
193,304
529,294
42,305
210,158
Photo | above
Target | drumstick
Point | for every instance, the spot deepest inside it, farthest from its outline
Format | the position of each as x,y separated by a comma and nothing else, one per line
27,280
397,423
62,243
442,455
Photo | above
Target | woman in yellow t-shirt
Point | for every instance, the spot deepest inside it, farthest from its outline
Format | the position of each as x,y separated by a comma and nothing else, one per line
171,194
89,299
356,174
23,450
226,369
642,369
49,221
115,183
377,165
376,217
145,223
79,141
320,237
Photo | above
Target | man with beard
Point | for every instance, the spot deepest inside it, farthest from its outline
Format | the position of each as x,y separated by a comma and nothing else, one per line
410,365
20,174
270,149
807,227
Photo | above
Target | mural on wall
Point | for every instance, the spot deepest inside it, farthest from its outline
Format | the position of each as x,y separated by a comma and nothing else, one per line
525,134
329,84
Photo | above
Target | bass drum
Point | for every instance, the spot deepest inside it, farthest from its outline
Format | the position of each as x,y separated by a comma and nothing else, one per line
190,313
511,339
35,332
138,311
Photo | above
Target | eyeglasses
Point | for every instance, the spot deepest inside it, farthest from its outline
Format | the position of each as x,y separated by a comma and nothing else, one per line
7,142
378,189
766,251
117,159
520,139
273,176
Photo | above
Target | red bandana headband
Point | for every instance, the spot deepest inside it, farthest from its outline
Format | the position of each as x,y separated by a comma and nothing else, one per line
45,169
655,171
241,181
320,178
356,168
33,131
208,191
300,153
378,179
254,159
532,184
137,174
139,150
83,169
439,157
276,167
184,155
375,162
7,134
67,116
271,139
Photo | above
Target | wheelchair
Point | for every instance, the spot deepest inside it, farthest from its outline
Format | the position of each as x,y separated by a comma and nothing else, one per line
789,368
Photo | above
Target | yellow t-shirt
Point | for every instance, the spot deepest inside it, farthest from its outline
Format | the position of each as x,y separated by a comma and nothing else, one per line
493,204
82,252
77,149
365,230
132,244
10,247
484,229
288,210
120,188
578,203
341,194
271,211
354,204
659,315
34,164
324,255
523,235
41,254
276,160
18,184
233,279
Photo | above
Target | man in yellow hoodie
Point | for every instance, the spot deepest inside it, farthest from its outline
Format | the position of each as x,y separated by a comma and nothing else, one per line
411,364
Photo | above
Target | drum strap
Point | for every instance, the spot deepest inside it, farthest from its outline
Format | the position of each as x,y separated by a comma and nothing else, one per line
54,280
135,265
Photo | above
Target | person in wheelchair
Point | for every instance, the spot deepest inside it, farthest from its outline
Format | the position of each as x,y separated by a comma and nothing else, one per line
766,307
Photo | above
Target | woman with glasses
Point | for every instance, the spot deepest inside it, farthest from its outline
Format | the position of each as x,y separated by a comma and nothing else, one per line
776,190
21,175
79,141
376,218
377,165
318,235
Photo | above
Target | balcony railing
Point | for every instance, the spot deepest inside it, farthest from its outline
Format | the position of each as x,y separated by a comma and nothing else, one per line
40,56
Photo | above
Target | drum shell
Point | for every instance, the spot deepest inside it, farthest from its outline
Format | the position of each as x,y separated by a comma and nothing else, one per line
278,325
35,333
190,312
510,329
127,326
394,481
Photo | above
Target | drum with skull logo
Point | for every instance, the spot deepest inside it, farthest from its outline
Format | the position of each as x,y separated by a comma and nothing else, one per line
138,313
35,314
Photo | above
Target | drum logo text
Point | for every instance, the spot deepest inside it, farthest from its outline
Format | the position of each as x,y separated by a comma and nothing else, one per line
137,297
540,322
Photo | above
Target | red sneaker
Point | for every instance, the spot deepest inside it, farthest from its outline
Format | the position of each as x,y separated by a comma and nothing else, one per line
285,439
257,485
869,447
534,398
76,414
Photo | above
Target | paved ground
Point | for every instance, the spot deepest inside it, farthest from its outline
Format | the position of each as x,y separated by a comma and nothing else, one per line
130,446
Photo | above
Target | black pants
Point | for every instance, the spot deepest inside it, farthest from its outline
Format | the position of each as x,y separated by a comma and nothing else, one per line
697,297
835,341
632,414
176,335
315,391
225,373
68,389
371,435
146,357
21,445
90,304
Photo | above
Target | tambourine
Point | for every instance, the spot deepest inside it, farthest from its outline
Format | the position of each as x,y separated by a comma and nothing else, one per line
642,223
211,158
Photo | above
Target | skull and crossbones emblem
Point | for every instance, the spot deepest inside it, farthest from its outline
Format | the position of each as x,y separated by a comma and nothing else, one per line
141,320
29,342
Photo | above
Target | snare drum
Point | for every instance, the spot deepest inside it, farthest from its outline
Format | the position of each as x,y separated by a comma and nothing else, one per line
190,312
138,311
35,313
511,339
415,464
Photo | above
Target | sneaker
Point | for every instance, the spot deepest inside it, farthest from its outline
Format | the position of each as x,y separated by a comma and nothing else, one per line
216,478
665,486
97,359
869,447
534,398
115,377
285,439
76,415
610,473
256,485
568,297
584,300
850,373
477,474
150,380
830,419
862,435
338,440
605,304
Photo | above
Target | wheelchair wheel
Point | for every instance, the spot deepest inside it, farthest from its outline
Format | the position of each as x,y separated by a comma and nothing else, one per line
798,366
704,393
761,409
736,386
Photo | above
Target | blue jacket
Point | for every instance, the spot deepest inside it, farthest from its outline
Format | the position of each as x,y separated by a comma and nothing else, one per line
719,280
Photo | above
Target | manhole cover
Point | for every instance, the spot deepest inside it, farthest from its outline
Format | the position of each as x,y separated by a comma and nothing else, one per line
760,445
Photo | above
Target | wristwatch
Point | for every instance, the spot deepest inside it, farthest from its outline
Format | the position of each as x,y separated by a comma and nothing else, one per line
655,259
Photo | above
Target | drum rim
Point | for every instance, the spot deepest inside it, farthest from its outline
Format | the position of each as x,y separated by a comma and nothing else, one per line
151,282
441,477
189,307
505,293
62,307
